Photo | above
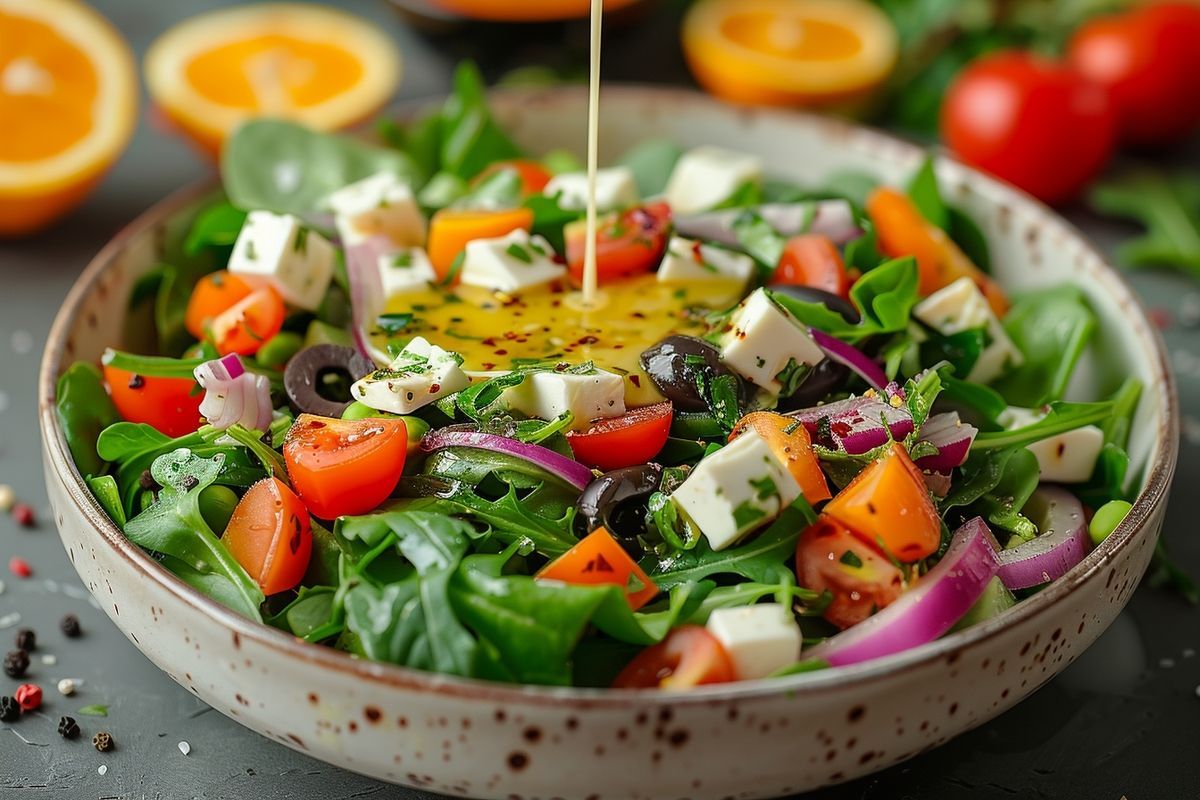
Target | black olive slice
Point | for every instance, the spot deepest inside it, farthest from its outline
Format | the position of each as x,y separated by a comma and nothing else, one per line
674,364
318,378
617,501
807,294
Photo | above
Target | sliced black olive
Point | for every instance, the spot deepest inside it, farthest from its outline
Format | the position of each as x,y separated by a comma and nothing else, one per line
807,294
821,381
675,374
617,500
318,378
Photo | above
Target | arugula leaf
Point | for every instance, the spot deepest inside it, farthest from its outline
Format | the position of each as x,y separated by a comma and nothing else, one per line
500,189
1062,417
549,219
218,225
1051,328
470,138
652,161
884,297
927,197
84,410
313,615
1167,206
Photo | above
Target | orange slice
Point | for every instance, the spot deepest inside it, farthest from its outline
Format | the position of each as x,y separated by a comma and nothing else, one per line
789,52
68,105
315,65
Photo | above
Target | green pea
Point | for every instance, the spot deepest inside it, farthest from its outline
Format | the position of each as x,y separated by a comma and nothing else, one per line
324,333
357,410
1106,519
216,506
417,427
279,349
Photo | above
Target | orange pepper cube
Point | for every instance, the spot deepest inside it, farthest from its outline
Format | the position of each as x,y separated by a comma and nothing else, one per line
599,560
791,445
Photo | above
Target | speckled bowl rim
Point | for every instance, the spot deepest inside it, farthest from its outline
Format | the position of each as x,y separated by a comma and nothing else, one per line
1134,525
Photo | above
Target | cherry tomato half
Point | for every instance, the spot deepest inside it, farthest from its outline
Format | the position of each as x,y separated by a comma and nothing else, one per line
689,656
812,260
344,467
628,243
861,579
170,405
247,324
212,295
533,175
632,438
270,535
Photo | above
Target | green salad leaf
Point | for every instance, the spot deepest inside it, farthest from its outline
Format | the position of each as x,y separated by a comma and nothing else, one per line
884,296
652,161
84,410
1062,417
1167,206
469,138
1051,328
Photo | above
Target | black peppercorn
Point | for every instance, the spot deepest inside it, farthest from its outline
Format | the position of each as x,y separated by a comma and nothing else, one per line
15,663
9,710
103,741
70,626
26,640
147,482
68,728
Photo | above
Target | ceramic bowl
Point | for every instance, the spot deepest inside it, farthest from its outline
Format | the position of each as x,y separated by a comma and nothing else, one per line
747,740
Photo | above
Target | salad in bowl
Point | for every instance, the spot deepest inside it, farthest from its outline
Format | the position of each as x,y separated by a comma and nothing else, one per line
796,428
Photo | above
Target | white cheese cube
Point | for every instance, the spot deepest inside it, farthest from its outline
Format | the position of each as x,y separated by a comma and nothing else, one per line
279,249
705,177
405,269
1064,458
736,490
690,260
759,639
616,189
762,339
420,374
510,263
546,395
382,204
960,306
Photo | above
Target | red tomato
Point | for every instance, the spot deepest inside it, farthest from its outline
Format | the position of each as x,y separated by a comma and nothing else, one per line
861,579
632,438
213,294
1031,121
270,535
247,324
344,467
170,405
812,260
1149,60
599,560
628,243
689,656
533,175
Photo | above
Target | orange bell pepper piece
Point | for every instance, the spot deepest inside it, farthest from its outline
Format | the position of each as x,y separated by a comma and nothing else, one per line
599,560
791,444
451,229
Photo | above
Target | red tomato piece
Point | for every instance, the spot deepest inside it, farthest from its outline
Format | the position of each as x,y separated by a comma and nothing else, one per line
599,560
861,579
270,535
628,243
170,405
247,324
812,260
533,175
343,467
689,656
635,437
212,295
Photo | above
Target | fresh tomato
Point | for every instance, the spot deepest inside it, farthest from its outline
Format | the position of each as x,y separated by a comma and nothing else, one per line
791,444
344,467
213,294
598,560
451,228
1149,60
246,325
170,405
628,243
635,437
1031,121
888,505
270,535
689,656
533,175
812,260
860,578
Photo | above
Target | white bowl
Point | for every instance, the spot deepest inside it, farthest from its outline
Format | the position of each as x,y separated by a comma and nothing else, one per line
747,740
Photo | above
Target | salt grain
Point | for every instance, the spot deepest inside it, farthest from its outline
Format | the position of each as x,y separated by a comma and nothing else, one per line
185,748
49,659
8,620
22,342
103,768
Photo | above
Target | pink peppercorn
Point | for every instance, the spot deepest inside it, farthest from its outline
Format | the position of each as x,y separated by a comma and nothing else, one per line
19,567
28,696
22,514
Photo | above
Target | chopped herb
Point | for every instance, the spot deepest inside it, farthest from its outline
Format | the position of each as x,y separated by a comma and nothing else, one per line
393,323
519,253
791,376
301,243
765,487
96,710
402,260
747,514
851,559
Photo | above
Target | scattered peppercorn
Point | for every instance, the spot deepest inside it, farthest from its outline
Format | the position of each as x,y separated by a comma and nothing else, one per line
28,696
26,640
147,482
19,567
22,514
15,663
68,728
70,626
66,687
103,741
9,710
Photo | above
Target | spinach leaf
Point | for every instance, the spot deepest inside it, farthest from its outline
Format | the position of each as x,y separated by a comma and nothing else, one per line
1062,417
312,615
1001,505
652,161
884,296
174,526
983,402
969,238
961,350
549,219
84,410
469,138
1168,206
1051,328
104,488
216,226
927,197
1108,480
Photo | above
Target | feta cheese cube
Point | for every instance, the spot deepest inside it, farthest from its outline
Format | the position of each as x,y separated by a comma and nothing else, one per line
759,638
510,263
736,490
616,189
589,396
405,269
382,204
1064,458
279,249
420,374
763,339
705,177
960,306
690,260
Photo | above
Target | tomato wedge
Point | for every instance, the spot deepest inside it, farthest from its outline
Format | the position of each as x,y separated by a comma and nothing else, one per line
246,325
632,438
212,295
689,656
450,229
861,579
599,560
791,444
628,243
533,175
169,405
344,467
812,260
270,535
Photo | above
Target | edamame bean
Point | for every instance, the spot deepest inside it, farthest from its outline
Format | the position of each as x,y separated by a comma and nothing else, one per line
216,506
1106,519
279,349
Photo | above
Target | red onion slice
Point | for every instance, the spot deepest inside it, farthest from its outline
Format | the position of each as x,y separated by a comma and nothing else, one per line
232,395
366,291
832,218
849,356
568,469
1062,543
857,424
928,609
951,436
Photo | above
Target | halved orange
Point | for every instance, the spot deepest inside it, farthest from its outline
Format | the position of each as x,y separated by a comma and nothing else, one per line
315,65
789,52
68,105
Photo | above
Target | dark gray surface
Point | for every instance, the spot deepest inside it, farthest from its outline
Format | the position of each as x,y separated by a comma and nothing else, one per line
1123,721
